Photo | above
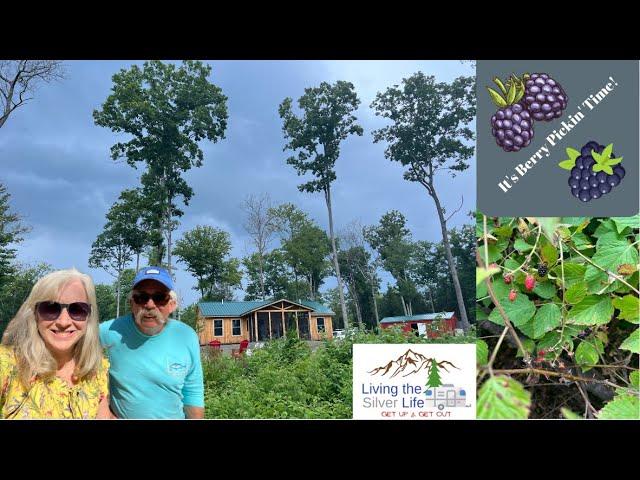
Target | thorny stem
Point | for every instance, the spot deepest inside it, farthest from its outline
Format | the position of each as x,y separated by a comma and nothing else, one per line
567,376
588,408
563,300
503,314
611,274
495,350
533,250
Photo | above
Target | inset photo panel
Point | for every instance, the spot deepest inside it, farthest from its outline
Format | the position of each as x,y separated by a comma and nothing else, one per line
557,312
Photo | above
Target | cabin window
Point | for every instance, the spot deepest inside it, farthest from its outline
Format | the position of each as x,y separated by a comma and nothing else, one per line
217,328
237,329
320,324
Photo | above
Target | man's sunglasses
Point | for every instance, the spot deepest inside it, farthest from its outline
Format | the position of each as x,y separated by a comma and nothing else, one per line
78,311
160,299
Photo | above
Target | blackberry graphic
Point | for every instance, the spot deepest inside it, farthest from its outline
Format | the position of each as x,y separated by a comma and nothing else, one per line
594,170
544,98
511,126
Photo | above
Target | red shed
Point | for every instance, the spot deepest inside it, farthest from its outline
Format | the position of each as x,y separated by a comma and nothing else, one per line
430,324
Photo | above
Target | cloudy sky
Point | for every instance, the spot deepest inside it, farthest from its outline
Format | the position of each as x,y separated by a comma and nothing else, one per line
56,165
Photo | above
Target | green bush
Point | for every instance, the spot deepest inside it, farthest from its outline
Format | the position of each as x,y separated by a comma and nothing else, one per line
285,379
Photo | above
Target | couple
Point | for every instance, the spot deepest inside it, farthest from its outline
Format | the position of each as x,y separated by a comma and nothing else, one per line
51,361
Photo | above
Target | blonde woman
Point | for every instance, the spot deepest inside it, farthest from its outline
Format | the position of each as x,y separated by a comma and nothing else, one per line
51,363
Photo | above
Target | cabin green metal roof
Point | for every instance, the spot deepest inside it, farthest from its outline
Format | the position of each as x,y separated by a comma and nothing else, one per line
238,309
421,317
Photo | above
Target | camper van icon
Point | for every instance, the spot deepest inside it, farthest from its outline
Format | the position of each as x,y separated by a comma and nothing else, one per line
447,395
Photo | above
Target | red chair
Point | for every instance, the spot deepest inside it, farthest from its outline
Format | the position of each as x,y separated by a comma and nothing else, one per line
238,352
215,347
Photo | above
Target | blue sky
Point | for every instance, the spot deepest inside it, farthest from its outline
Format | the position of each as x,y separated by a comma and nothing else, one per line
56,164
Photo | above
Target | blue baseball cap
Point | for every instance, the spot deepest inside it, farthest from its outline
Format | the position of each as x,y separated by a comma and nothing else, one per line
154,273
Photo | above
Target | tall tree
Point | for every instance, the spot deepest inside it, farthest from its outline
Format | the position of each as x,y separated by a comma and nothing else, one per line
204,250
111,253
16,288
352,238
277,277
316,136
430,126
11,232
127,216
260,224
20,78
168,111
392,239
106,300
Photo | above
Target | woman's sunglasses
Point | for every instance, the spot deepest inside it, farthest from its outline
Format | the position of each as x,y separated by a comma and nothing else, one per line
78,311
160,299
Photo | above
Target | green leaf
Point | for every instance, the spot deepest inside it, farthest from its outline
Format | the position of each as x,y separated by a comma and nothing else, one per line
597,157
545,290
481,290
611,252
550,341
623,222
494,252
622,407
529,345
501,289
606,226
511,94
503,398
546,319
576,293
586,354
569,415
613,161
632,343
549,254
581,241
500,85
567,164
521,245
572,153
481,315
483,273
593,310
629,307
504,231
608,150
606,169
549,225
573,273
497,98
520,311
634,378
575,221
598,167
482,352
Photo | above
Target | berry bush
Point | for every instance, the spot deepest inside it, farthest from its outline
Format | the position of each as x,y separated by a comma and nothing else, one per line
557,313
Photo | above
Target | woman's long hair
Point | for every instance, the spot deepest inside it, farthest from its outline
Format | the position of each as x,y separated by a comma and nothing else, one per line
33,356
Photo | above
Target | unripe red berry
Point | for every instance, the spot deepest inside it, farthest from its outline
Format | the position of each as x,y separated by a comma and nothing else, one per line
508,278
493,265
529,282
512,295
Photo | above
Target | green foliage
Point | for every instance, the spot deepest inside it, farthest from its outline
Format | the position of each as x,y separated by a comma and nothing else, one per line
622,407
503,398
482,352
286,379
580,312
106,299
204,250
11,231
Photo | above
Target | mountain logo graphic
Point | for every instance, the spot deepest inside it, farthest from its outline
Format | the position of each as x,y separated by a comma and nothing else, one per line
408,363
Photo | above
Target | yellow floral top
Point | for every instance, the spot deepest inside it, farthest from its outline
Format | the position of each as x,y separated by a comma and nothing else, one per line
53,399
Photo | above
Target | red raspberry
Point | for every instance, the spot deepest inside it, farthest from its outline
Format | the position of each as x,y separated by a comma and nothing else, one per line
512,295
508,278
529,282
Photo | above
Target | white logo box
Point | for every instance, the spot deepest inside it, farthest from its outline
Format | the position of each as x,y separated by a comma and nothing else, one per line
414,381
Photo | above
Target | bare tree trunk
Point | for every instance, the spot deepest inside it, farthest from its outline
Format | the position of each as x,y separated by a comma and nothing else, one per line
261,268
452,268
375,304
137,261
404,305
118,294
327,196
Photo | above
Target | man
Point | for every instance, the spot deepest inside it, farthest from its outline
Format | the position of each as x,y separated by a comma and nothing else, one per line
155,361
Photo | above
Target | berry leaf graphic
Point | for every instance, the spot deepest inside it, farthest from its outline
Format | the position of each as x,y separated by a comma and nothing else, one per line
500,85
497,98
606,153
607,169
613,161
598,167
511,96
573,153
567,164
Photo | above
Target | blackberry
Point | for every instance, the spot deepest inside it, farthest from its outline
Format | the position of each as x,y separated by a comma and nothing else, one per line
542,269
594,171
544,98
511,125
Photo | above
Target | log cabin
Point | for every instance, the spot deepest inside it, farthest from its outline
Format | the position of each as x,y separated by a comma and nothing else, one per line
258,321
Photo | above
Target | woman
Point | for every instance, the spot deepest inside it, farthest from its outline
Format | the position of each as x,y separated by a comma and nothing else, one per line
51,363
